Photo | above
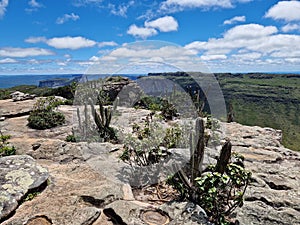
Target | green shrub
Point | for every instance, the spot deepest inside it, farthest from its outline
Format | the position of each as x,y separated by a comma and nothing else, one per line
45,120
71,138
5,148
168,110
43,115
172,137
219,194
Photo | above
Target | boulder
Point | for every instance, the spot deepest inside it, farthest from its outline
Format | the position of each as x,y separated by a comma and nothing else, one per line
76,194
20,96
9,108
19,175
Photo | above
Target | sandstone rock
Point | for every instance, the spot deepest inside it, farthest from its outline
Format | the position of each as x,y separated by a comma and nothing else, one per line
20,96
273,196
9,109
75,195
185,213
19,174
85,177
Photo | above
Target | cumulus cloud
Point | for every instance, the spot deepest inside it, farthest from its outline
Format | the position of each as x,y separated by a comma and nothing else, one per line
163,24
235,19
7,60
142,32
249,31
70,42
67,17
248,36
24,52
64,42
250,44
213,57
248,56
107,43
290,27
146,57
3,5
165,52
285,10
34,40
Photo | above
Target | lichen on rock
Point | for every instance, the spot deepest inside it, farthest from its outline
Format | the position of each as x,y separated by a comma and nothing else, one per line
19,174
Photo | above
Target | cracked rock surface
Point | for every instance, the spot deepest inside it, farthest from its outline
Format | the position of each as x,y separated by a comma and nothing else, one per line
83,188
18,175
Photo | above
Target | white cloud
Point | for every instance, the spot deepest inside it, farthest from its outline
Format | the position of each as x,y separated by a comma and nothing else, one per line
147,56
70,42
213,57
107,43
79,3
290,27
165,52
34,40
34,4
250,46
142,32
235,19
244,1
120,10
163,24
285,10
3,5
248,56
7,60
94,58
249,31
67,17
24,52
179,5
66,42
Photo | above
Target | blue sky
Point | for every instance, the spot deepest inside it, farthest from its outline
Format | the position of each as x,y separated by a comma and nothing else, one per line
60,36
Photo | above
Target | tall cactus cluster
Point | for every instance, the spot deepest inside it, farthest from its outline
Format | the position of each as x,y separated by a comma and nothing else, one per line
221,187
100,120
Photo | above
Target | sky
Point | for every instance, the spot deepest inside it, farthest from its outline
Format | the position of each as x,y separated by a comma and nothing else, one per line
100,36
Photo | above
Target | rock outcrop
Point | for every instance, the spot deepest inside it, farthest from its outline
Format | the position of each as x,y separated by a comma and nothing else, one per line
84,188
273,196
20,96
19,175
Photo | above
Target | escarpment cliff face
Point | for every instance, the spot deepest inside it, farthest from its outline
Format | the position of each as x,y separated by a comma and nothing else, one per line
81,190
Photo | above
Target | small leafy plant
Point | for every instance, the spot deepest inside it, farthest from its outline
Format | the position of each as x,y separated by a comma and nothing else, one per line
44,115
221,193
142,148
71,138
5,148
220,189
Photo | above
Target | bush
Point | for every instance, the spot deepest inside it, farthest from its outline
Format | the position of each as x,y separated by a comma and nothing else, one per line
5,148
71,138
43,115
219,194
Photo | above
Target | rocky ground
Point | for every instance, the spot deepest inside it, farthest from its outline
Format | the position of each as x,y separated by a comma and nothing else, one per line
77,183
